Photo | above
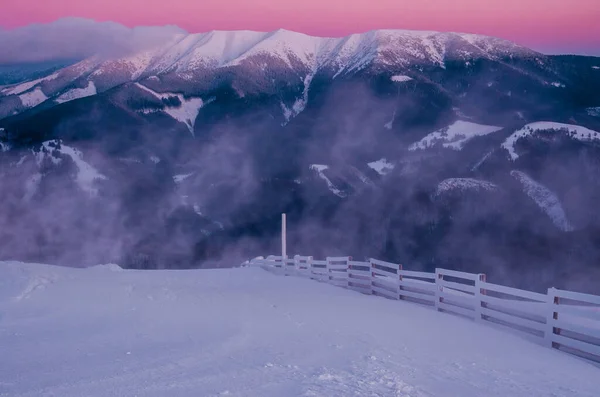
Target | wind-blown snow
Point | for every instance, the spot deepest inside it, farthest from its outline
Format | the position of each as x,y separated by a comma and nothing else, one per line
382,166
574,131
247,333
454,136
545,199
186,112
320,170
401,79
452,184
33,98
77,93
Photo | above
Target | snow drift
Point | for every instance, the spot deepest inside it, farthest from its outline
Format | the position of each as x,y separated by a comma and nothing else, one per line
246,332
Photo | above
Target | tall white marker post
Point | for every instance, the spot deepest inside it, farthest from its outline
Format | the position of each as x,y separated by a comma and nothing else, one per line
283,237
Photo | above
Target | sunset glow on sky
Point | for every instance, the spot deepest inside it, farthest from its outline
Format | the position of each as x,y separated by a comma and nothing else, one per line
547,25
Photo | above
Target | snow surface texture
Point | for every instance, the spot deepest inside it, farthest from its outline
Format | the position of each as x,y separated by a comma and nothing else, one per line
186,112
320,170
575,131
382,167
86,174
463,184
545,199
77,93
245,332
454,136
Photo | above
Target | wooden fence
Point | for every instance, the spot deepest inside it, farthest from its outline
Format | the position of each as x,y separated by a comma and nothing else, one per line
564,320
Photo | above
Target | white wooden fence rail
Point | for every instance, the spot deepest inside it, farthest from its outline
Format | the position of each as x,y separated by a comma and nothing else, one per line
564,320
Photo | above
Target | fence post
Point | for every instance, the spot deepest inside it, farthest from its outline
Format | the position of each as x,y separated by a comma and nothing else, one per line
479,291
400,288
329,270
284,265
348,267
438,289
371,268
551,315
297,264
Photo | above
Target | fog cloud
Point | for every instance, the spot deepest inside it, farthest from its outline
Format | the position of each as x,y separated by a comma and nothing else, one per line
76,39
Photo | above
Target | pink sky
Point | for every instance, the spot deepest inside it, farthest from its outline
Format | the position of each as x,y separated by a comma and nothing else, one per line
550,25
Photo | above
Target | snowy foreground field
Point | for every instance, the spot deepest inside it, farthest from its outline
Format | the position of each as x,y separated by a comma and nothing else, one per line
245,332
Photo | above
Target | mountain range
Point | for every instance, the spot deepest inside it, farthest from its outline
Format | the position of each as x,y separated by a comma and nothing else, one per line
430,149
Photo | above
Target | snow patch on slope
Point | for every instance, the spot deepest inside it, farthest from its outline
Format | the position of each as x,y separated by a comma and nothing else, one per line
21,88
182,177
78,93
401,79
382,166
574,131
300,103
4,147
390,124
452,184
454,136
86,174
33,98
320,170
186,113
545,199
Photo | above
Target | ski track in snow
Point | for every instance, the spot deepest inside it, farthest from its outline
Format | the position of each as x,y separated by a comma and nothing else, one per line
248,333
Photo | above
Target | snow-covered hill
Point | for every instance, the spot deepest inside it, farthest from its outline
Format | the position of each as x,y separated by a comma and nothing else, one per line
454,136
245,332
187,57
574,131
